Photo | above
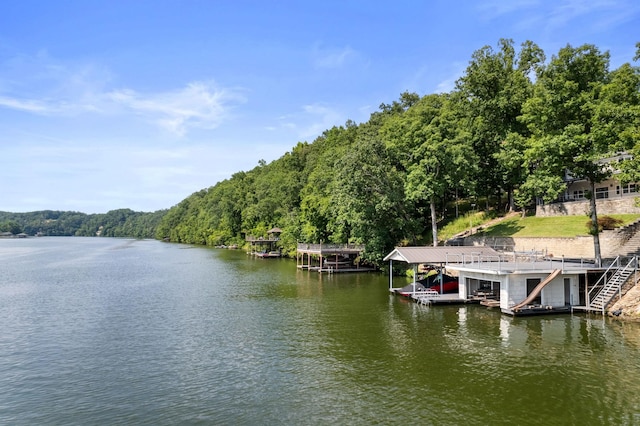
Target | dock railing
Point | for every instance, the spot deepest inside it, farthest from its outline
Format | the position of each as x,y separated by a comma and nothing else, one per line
513,261
323,247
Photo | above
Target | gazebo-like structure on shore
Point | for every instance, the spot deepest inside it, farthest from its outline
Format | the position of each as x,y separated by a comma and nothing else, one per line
265,246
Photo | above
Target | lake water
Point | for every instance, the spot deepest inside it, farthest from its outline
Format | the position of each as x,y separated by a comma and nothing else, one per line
116,331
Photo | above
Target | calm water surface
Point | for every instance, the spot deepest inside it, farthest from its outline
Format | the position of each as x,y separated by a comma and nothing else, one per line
115,331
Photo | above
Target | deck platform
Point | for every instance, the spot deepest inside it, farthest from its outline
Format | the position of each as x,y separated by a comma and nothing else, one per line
331,258
331,270
538,310
431,297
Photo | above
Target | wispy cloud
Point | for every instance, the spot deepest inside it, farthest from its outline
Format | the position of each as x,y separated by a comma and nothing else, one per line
334,57
311,120
496,8
551,15
604,13
199,104
39,85
28,105
321,118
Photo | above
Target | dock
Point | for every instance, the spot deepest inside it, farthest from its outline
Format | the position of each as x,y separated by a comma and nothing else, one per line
431,297
331,258
265,247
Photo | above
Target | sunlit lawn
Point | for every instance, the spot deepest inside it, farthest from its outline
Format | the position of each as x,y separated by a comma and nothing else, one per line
557,226
530,226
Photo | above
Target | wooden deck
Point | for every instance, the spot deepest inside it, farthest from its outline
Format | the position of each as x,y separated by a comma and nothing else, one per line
329,249
331,270
430,297
331,258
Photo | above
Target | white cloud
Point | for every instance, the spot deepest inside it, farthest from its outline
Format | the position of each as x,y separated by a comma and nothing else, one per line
322,118
199,104
332,57
38,85
547,16
457,70
29,105
311,121
496,8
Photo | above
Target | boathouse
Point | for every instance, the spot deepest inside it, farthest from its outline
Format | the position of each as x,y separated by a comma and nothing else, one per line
331,257
439,258
524,283
265,246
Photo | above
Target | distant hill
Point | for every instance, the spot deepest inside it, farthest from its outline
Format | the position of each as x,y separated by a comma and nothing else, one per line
115,223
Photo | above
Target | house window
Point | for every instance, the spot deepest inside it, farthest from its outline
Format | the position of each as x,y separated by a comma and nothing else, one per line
602,192
578,195
629,188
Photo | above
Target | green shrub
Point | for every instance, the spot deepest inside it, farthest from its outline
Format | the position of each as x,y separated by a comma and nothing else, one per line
604,223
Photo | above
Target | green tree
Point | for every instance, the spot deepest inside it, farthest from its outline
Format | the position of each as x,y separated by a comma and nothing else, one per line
430,144
560,116
369,199
496,85
10,226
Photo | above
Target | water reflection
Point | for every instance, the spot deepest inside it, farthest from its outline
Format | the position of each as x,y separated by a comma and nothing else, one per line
145,332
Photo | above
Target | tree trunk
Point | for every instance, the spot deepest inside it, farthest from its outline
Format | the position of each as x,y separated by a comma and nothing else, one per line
594,224
434,222
511,200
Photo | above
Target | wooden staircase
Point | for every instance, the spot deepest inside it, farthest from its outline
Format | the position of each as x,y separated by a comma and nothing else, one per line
605,289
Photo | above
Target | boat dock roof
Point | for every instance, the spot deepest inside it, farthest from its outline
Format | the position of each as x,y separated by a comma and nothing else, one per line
440,255
486,259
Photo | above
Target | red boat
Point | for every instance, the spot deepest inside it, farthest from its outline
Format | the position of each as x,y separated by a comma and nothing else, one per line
448,287
431,283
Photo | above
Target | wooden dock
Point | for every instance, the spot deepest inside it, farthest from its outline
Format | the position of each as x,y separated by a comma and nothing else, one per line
431,297
331,258
490,303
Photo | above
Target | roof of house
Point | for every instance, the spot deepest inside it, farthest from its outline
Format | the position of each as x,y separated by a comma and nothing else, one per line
439,255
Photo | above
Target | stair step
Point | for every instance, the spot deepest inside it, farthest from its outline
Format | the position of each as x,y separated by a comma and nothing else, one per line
611,287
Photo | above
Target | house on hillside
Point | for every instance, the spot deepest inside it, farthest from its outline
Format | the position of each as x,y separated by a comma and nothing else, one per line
612,195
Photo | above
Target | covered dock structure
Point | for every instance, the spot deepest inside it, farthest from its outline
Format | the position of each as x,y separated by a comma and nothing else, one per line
438,257
331,257
522,283
265,246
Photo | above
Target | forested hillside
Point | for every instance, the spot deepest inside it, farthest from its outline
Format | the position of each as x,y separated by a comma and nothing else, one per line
116,223
502,138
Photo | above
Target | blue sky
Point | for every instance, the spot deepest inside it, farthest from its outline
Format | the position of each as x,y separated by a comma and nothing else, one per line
137,104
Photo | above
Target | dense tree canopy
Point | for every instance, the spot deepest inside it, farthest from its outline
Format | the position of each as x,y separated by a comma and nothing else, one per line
508,132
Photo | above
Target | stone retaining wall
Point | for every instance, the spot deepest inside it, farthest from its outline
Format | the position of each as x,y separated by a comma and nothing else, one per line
606,206
576,247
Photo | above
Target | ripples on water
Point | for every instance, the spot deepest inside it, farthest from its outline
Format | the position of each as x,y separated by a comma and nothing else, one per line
108,331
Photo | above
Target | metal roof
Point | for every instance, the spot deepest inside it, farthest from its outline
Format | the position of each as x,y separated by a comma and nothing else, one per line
439,255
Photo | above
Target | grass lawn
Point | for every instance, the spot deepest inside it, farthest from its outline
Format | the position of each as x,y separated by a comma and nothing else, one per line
556,226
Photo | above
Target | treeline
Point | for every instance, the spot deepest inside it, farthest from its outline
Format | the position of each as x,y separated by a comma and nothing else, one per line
504,137
115,223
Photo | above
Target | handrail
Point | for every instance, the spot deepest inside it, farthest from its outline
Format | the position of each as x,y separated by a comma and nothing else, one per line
602,278
325,246
619,285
